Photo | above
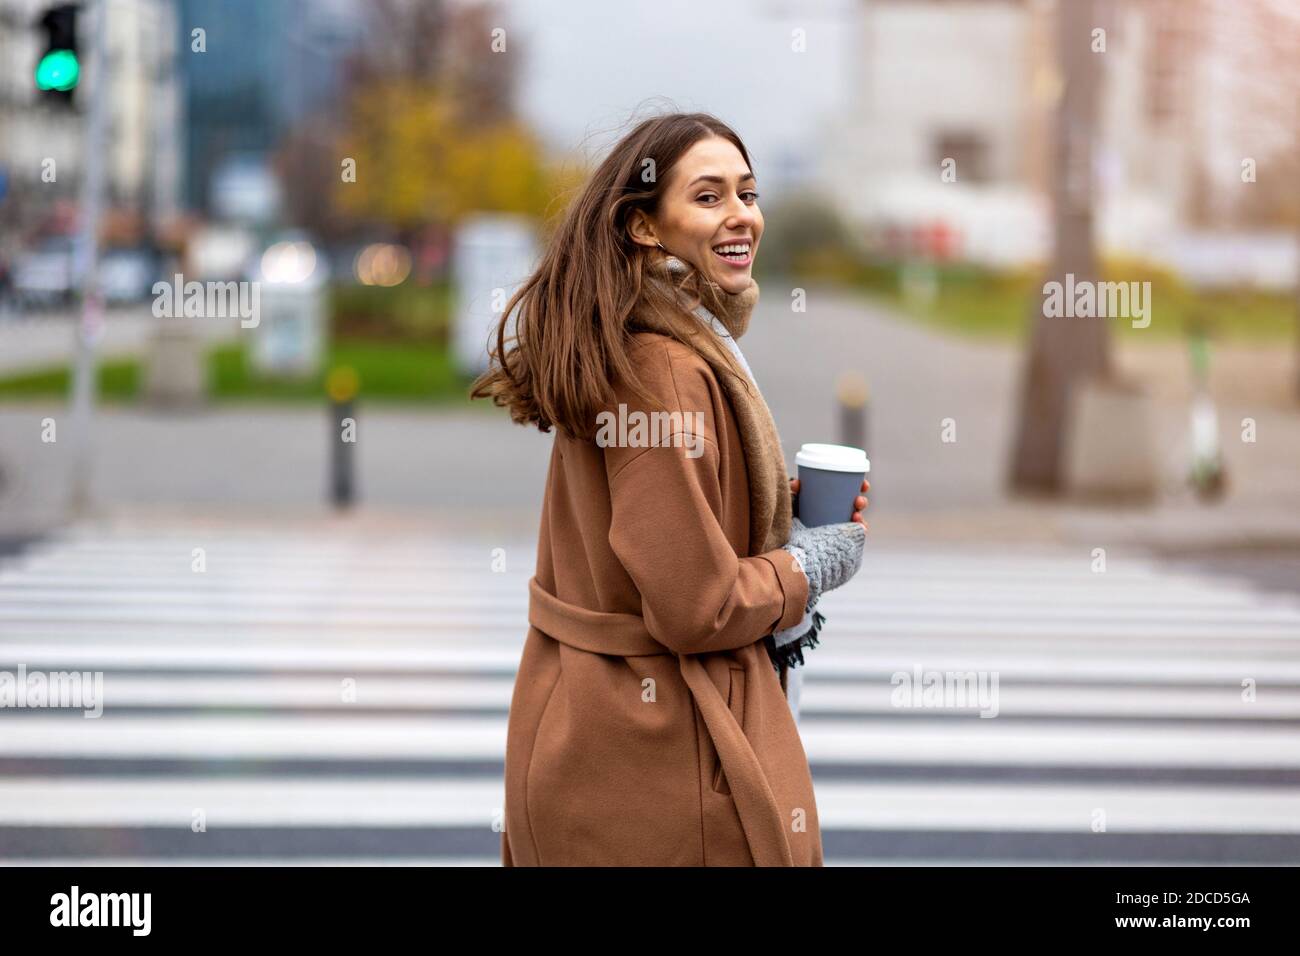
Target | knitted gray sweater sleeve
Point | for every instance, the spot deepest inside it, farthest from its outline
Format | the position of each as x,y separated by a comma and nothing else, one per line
829,554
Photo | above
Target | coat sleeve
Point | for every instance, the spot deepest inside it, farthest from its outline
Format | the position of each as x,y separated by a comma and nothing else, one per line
697,595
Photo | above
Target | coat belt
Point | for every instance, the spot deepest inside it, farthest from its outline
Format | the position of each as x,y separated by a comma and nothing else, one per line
597,632
625,635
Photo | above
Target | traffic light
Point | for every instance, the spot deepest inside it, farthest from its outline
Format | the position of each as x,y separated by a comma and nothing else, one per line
59,67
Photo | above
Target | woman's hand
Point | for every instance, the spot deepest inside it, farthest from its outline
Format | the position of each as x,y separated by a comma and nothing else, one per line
859,503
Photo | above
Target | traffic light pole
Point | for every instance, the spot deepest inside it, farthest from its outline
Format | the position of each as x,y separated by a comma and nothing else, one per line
92,307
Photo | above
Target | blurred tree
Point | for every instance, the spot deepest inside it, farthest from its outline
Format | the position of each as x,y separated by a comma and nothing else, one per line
1064,351
482,78
463,49
1279,36
430,123
405,39
1273,200
418,163
308,168
806,234
1259,41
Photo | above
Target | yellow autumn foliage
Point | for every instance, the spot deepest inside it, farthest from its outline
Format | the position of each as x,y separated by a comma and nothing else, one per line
419,161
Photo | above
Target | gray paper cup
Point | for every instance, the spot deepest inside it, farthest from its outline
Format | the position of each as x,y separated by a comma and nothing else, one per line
830,478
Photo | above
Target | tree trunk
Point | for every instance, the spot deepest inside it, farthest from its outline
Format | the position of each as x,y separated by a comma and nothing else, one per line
1297,262
1296,370
1064,349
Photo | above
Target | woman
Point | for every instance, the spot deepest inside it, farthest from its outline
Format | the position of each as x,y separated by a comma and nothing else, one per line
649,724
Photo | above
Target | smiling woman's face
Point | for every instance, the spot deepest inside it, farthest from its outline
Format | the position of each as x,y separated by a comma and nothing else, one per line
709,203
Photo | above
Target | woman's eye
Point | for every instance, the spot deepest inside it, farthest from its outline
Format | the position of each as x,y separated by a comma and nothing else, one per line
709,197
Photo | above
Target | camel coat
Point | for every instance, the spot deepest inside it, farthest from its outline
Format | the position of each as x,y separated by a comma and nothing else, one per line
648,726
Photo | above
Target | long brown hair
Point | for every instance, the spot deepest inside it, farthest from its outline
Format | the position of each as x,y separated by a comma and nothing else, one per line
577,311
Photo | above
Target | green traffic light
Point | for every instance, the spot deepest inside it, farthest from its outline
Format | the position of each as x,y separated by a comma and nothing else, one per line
58,70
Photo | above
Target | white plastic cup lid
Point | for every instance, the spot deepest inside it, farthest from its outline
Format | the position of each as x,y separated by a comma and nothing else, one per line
832,457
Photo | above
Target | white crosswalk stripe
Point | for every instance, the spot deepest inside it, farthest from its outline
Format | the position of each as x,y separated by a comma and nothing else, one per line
340,697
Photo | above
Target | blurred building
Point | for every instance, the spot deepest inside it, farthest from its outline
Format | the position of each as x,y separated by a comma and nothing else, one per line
264,67
144,108
938,81
976,82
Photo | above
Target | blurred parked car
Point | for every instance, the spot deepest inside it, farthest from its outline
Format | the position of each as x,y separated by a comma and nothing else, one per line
45,275
128,275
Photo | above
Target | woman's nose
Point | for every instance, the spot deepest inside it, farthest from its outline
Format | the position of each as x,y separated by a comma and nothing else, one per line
740,213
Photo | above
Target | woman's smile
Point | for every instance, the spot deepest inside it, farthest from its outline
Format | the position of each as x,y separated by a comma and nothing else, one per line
736,253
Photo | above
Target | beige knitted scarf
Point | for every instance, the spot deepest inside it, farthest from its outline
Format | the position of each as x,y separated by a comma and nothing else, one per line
769,486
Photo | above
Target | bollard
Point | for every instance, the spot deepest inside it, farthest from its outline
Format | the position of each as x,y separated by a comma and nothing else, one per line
1207,474
342,387
852,398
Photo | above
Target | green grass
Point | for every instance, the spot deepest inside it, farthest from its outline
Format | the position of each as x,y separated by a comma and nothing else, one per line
118,380
407,312
395,339
984,304
388,372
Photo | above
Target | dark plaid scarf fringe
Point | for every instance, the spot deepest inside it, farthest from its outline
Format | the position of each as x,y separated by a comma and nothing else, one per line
791,654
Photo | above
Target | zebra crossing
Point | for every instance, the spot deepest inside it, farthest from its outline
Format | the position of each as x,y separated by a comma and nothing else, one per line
339,696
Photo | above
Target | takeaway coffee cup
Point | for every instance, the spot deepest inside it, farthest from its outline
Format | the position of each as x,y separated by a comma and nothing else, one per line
830,478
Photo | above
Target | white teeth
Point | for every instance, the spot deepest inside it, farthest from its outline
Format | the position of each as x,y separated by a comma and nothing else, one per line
735,249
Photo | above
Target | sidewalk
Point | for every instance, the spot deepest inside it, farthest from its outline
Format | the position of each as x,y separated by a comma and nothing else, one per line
926,489
471,466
